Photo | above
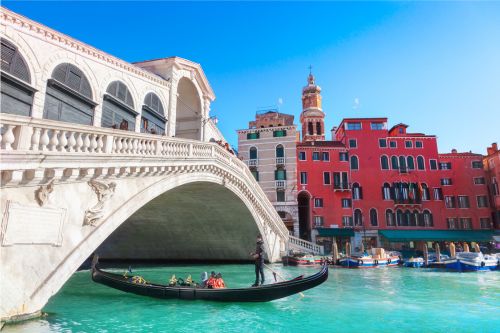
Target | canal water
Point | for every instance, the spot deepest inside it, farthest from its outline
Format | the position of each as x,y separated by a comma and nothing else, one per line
375,300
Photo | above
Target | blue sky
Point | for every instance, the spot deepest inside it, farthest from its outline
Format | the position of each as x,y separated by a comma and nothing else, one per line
432,65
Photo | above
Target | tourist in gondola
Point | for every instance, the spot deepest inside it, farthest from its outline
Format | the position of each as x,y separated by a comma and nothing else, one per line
219,282
258,256
211,281
204,280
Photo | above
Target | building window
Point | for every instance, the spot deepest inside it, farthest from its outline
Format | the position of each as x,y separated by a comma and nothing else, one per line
433,164
302,155
353,126
425,191
347,221
479,181
438,193
408,144
394,163
153,115
253,153
494,186
482,201
325,156
315,156
399,217
69,97
253,136
280,196
384,162
303,178
449,201
445,166
402,164
466,223
346,203
411,163
484,223
386,191
428,220
353,143
463,201
318,202
343,156
452,223
420,163
390,219
358,218
310,128
279,133
477,164
377,126
279,174
354,163
446,181
382,143
255,174
340,180
419,144
118,107
357,193
326,178
318,128
373,217
318,221
393,144
280,151
16,93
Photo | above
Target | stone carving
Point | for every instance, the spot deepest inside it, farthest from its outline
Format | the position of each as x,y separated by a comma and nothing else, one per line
43,192
104,193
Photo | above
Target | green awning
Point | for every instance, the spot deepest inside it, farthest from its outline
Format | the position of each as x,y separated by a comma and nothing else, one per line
335,232
437,235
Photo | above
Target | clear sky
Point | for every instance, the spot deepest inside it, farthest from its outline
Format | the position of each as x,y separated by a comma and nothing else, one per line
432,65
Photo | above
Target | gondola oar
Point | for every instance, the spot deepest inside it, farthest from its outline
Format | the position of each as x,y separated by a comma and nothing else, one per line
281,277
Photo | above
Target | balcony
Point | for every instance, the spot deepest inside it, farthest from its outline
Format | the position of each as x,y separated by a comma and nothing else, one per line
341,187
280,184
253,163
407,202
280,161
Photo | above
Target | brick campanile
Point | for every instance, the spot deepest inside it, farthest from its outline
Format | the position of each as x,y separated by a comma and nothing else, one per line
312,117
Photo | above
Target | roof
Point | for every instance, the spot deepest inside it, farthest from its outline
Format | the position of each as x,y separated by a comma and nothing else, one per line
334,232
437,235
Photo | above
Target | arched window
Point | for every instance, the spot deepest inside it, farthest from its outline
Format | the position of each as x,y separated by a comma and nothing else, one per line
389,218
425,191
406,218
318,128
428,221
399,217
153,115
358,218
420,220
394,163
414,218
357,193
410,162
420,163
253,153
354,163
69,97
373,217
118,107
384,162
280,151
402,163
17,94
386,191
310,128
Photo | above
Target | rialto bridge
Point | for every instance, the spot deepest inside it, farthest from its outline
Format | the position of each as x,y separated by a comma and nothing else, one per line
98,154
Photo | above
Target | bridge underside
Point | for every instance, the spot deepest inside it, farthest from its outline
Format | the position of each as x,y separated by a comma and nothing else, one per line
202,221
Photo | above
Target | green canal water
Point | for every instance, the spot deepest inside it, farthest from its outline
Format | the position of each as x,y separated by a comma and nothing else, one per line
376,300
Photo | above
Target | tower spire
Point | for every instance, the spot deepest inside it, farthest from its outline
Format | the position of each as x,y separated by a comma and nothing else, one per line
312,116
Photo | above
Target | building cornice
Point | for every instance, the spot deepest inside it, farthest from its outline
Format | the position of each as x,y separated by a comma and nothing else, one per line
20,22
267,129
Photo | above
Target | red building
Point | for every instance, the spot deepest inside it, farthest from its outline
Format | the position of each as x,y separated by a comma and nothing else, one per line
372,178
491,163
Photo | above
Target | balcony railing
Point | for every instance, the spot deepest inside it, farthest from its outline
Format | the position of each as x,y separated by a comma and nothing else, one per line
341,186
280,161
253,162
280,184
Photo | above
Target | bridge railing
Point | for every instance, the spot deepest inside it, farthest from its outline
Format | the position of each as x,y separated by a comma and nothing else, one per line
296,243
39,137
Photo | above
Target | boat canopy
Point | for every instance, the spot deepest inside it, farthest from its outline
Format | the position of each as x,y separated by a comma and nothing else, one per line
437,235
335,232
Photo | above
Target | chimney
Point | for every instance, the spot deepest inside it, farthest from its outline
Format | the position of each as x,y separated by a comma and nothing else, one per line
493,149
494,146
453,151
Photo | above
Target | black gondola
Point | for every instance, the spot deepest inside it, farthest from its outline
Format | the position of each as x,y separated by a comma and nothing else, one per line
262,293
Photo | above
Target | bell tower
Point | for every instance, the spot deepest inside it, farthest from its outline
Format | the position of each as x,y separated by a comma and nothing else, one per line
312,117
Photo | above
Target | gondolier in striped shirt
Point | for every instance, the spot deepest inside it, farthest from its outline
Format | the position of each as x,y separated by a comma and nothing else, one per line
258,256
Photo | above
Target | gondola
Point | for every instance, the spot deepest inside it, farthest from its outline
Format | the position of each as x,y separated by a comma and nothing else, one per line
264,293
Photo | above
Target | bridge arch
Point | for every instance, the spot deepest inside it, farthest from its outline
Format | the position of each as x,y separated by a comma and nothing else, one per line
189,110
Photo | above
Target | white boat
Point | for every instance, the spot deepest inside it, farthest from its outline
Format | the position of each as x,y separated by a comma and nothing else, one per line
378,258
472,261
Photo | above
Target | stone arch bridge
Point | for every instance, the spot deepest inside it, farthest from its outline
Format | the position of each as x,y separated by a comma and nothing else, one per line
70,189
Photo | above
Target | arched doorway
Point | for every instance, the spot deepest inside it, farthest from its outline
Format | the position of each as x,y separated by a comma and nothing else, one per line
188,113
304,201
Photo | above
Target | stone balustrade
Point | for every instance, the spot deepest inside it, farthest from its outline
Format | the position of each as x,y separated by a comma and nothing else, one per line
303,245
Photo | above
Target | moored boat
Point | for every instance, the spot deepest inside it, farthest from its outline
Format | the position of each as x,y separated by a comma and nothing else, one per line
378,258
414,262
472,261
301,259
263,293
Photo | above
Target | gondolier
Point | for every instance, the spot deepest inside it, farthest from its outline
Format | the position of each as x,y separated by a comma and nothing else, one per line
258,256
